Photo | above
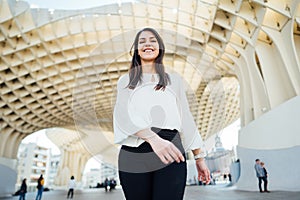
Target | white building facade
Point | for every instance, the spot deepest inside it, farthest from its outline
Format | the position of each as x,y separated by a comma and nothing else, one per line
34,160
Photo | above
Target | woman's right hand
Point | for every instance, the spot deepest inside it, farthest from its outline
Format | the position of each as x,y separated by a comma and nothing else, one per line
164,149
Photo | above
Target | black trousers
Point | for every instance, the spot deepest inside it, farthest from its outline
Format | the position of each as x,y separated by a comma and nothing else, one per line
265,180
70,193
144,177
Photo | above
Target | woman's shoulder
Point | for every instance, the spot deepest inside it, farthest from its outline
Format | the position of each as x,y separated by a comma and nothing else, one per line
123,80
175,79
174,76
124,77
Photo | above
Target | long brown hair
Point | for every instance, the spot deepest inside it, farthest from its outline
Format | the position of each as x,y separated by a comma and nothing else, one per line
135,71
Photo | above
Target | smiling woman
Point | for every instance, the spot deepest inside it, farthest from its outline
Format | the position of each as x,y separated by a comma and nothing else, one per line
151,116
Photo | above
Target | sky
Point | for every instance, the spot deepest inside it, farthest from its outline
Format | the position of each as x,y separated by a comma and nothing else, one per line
228,136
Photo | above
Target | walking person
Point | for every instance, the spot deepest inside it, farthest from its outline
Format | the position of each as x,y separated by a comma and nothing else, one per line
260,174
71,185
40,188
23,190
154,125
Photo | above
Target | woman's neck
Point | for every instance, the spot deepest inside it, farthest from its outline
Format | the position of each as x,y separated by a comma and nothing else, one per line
148,68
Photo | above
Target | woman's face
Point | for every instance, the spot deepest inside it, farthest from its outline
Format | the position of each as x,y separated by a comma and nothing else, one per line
148,47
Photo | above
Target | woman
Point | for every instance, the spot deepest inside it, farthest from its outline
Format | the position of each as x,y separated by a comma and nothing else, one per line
153,123
23,190
40,187
265,177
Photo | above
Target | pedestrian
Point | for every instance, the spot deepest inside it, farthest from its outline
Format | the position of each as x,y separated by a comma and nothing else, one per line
260,174
154,125
71,185
229,178
106,184
112,184
40,188
23,190
265,177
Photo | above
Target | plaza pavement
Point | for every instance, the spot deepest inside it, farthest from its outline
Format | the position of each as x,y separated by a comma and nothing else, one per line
214,192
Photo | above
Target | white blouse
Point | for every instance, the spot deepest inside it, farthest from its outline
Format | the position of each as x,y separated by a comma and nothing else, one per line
144,107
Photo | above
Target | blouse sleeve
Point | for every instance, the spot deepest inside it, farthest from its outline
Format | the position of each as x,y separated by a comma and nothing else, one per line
123,124
192,138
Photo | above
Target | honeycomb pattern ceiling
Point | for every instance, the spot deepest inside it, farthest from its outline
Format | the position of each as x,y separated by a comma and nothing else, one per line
59,68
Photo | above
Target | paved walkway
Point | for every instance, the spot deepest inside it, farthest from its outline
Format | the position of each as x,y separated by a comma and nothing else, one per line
192,193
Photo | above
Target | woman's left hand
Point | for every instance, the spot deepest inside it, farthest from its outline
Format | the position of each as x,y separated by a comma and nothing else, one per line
203,171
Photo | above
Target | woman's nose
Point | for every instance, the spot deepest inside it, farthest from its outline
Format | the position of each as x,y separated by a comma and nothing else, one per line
147,43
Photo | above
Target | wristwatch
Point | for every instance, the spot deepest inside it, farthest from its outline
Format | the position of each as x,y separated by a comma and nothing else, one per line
200,155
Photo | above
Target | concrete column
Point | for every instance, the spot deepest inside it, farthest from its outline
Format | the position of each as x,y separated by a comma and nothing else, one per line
278,85
4,136
245,92
257,87
72,163
284,58
12,145
9,145
297,47
252,88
